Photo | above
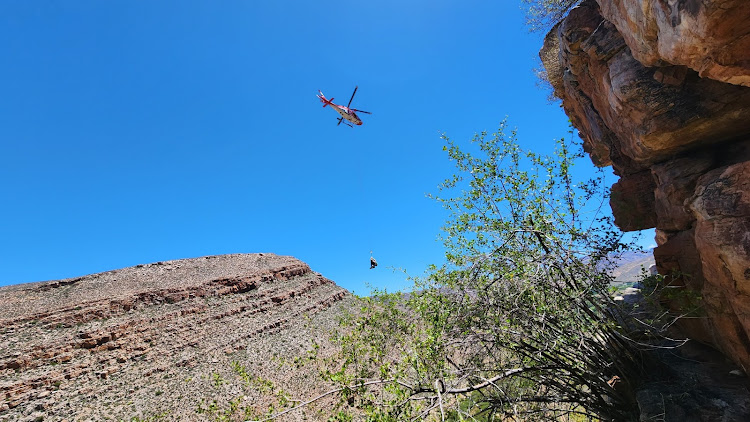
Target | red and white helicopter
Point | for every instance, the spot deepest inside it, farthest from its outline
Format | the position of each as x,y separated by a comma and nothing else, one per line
345,112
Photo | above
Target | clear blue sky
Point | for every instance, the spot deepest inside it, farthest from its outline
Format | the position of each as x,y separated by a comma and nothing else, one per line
141,131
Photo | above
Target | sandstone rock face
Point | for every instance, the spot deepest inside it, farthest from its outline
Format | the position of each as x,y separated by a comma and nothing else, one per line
162,339
632,116
660,90
633,200
709,37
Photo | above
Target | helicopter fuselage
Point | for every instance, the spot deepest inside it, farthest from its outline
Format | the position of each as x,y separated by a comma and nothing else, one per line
347,114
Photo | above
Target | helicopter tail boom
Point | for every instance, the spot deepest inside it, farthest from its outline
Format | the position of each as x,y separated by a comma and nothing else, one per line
324,100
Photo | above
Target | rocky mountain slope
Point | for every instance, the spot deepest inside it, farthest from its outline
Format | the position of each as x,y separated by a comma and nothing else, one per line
178,340
660,90
630,266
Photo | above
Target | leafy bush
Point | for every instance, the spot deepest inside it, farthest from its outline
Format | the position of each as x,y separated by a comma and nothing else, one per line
519,322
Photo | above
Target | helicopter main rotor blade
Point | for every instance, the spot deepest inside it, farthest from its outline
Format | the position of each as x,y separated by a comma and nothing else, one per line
350,99
360,111
341,119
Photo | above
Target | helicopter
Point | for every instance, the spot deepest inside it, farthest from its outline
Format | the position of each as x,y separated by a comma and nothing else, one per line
345,112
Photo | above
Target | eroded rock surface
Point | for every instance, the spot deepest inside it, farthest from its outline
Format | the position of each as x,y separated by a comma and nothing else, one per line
709,37
157,338
660,90
632,115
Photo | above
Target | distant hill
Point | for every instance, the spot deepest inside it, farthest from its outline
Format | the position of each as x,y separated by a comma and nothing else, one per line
629,265
166,339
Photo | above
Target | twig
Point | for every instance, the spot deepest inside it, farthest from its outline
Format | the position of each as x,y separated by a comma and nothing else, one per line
327,393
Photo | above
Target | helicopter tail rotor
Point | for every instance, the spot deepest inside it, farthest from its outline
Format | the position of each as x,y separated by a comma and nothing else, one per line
324,100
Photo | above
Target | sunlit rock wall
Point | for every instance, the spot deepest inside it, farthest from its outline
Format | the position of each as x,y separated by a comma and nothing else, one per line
660,90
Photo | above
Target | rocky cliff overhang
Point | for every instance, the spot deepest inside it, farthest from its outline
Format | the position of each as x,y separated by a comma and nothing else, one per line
660,90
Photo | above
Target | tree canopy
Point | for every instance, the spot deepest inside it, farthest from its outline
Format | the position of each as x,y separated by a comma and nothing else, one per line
518,323
541,15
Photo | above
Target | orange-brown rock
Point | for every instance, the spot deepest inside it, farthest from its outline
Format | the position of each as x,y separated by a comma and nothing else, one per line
709,37
632,200
144,340
660,90
721,205
626,117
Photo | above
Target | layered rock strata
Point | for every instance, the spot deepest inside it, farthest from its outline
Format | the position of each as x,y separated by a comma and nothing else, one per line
151,339
660,90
